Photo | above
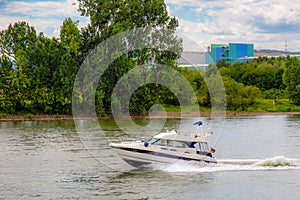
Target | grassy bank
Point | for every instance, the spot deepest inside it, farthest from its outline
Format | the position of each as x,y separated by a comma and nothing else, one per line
267,105
262,107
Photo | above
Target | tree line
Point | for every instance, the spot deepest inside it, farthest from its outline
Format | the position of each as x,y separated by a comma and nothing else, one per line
37,73
246,83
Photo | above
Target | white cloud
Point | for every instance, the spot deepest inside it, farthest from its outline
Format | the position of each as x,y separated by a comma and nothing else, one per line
45,16
266,23
43,8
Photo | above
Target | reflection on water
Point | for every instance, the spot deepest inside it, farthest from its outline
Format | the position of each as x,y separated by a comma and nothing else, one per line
258,157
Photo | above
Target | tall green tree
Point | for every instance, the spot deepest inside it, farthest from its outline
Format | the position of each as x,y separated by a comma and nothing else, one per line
109,18
17,43
70,61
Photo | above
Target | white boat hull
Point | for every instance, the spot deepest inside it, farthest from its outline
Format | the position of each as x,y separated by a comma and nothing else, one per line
136,154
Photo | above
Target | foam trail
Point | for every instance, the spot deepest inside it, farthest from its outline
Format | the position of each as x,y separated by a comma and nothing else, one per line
239,161
275,163
278,161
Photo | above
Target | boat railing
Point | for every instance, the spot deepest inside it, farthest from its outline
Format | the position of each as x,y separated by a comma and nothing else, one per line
126,139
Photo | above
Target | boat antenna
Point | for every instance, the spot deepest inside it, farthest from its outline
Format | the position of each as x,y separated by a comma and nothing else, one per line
219,135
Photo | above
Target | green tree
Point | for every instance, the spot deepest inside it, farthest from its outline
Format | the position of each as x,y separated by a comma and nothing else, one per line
37,73
70,59
109,18
291,79
238,96
17,36
17,43
70,36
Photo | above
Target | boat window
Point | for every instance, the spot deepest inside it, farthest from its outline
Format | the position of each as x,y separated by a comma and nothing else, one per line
170,143
179,144
203,146
164,142
197,146
161,142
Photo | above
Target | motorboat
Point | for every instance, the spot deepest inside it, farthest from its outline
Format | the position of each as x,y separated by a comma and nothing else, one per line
166,147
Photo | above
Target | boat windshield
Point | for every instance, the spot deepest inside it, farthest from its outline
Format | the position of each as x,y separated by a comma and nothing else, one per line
153,140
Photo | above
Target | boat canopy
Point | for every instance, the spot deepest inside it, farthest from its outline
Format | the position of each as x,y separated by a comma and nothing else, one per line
173,135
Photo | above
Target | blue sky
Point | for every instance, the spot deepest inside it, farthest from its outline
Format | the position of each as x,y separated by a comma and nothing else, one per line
265,23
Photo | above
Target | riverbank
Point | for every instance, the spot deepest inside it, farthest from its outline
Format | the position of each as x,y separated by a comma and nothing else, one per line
42,117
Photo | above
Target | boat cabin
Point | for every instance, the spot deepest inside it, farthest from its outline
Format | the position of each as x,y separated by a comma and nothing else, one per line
172,139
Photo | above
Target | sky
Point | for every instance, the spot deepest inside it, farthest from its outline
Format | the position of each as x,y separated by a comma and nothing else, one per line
268,24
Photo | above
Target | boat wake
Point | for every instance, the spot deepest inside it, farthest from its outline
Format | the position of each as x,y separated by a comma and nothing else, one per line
275,163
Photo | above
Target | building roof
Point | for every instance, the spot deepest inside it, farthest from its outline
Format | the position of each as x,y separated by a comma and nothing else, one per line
192,58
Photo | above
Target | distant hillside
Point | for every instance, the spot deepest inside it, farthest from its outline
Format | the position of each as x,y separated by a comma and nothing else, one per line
274,51
266,50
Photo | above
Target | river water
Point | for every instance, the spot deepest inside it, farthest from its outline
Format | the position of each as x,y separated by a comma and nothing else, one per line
259,158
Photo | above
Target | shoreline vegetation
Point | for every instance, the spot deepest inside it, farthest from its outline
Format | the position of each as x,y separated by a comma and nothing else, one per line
170,115
45,78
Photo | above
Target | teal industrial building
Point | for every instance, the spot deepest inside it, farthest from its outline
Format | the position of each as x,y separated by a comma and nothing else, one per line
231,53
